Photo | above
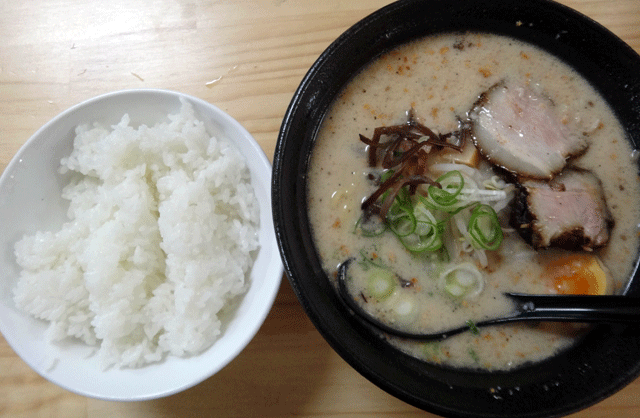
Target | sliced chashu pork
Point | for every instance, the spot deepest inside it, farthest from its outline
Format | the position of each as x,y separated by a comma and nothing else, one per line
517,129
569,212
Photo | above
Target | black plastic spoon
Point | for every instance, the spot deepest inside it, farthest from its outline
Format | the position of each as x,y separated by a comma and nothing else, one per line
553,308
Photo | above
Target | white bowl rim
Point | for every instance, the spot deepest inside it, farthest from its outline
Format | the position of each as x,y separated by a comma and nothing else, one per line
268,289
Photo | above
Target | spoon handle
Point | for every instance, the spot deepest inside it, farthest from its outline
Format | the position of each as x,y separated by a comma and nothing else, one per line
577,308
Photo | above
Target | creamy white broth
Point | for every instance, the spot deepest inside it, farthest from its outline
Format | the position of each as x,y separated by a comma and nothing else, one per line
440,78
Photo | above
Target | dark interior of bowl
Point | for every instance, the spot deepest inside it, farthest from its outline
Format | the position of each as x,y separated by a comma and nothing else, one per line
607,358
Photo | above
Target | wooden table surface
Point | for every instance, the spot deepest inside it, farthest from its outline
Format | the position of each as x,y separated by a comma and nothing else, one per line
247,57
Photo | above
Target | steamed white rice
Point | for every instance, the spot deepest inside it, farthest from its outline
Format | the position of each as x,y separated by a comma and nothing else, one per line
163,225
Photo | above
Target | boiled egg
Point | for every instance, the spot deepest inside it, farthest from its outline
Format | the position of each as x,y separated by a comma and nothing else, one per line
577,274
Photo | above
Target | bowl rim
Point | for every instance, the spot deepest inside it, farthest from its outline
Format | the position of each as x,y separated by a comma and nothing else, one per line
295,140
250,316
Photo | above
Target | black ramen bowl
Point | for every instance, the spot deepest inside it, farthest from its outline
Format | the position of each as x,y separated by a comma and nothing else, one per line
604,361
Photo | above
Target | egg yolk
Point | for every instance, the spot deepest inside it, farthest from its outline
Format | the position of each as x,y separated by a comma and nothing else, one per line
579,274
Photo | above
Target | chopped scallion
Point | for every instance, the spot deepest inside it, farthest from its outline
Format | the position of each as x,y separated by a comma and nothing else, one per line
419,221
463,280
401,220
370,227
451,183
484,228
429,237
381,283
472,327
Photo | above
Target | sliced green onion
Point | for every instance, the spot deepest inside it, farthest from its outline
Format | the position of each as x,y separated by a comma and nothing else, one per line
422,213
401,220
454,289
452,183
451,208
484,228
416,228
419,221
463,280
403,198
381,283
428,237
472,327
400,307
371,228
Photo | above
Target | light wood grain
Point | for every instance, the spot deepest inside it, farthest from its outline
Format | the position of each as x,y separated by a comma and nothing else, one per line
247,57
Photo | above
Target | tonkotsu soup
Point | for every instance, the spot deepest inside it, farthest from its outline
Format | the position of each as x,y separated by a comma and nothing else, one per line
459,167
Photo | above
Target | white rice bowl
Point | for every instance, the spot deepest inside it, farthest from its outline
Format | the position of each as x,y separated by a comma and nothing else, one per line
188,281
